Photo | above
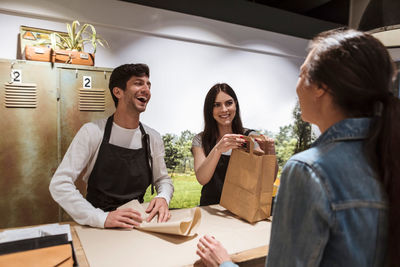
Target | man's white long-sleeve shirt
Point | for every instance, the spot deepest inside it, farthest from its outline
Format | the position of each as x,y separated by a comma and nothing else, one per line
82,153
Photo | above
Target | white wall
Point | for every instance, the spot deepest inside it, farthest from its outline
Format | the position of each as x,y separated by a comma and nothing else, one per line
186,55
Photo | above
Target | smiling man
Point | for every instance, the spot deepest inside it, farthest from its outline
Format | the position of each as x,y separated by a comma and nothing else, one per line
119,158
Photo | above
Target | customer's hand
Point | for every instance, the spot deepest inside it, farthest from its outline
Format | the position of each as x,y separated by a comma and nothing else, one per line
124,218
158,205
229,141
211,251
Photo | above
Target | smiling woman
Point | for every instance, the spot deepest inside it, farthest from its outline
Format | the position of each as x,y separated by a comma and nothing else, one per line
224,110
223,131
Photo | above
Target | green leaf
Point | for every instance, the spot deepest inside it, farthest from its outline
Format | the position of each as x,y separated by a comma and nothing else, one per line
53,41
78,36
65,41
69,31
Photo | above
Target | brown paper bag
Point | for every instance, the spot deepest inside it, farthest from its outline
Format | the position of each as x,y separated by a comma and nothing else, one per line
248,185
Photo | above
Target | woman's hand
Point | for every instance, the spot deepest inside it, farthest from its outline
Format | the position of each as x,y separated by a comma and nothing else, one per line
204,166
229,141
211,252
267,145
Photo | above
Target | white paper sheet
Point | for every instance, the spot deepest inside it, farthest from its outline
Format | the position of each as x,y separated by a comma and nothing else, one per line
37,231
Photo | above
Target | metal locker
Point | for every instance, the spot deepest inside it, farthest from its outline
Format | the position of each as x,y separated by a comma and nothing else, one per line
79,105
39,116
28,143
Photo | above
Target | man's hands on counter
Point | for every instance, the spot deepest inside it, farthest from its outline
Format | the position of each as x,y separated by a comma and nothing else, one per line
129,218
158,205
124,218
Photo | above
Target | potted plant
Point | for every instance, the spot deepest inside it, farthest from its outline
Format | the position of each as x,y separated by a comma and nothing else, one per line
69,48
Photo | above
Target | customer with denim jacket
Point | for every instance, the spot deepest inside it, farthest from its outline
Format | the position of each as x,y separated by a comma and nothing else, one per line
337,204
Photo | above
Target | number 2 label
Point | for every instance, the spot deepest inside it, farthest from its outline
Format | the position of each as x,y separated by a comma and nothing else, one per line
16,76
87,82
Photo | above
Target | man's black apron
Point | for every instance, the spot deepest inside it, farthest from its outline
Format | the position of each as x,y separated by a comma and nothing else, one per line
119,174
211,192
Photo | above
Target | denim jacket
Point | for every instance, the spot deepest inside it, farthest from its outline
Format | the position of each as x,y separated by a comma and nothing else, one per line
330,209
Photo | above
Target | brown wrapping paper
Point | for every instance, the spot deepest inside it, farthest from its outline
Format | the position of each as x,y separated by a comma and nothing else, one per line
110,247
182,223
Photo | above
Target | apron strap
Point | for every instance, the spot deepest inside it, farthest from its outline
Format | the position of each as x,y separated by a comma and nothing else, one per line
248,131
146,146
107,130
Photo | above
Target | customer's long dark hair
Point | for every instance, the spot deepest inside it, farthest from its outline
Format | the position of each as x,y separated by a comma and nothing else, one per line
358,72
210,133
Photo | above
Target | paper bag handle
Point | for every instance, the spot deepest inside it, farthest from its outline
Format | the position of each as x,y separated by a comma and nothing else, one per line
251,141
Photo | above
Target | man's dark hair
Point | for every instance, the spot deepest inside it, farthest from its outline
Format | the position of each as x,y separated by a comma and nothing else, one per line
121,75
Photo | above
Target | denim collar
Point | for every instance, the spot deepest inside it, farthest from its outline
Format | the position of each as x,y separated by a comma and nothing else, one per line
347,129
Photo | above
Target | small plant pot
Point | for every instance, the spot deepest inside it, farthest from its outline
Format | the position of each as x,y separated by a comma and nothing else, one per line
38,53
72,57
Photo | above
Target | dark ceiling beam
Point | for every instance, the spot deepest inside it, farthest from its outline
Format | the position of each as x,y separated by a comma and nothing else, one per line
379,14
294,5
247,14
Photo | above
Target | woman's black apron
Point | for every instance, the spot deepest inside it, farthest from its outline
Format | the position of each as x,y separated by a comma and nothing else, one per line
119,174
211,192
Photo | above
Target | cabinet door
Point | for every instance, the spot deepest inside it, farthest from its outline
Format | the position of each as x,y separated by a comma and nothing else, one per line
28,143
79,105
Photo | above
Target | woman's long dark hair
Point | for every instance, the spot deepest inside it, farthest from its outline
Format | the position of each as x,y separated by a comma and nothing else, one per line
358,72
210,133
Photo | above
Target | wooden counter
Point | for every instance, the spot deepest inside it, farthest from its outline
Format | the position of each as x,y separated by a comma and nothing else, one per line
247,243
214,218
252,257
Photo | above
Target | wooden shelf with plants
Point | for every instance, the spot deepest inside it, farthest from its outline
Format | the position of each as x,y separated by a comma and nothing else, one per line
59,47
